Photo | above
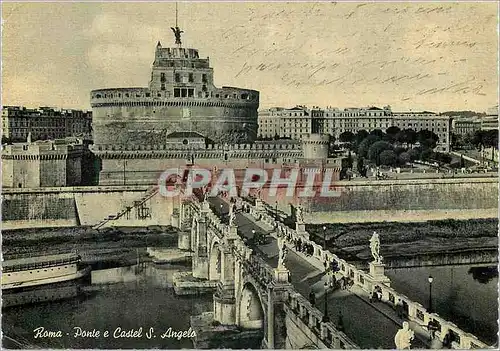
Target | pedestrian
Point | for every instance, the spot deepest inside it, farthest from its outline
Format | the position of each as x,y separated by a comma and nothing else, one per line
312,298
399,308
432,327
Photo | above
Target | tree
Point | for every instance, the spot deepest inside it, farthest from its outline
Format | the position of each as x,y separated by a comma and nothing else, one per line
388,158
347,137
378,133
361,135
457,141
404,158
376,149
332,138
392,132
361,167
410,136
399,150
427,138
365,145
349,160
490,138
414,154
426,154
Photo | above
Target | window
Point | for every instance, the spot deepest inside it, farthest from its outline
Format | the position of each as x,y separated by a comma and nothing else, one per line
162,86
204,78
190,92
183,93
148,94
191,78
163,79
177,92
177,77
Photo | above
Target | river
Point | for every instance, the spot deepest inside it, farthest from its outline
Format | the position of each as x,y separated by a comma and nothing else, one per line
115,298
464,294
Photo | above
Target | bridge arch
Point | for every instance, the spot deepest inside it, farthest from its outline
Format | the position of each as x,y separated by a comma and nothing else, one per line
215,263
251,310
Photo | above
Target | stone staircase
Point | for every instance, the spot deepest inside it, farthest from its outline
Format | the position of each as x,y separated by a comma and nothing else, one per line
148,195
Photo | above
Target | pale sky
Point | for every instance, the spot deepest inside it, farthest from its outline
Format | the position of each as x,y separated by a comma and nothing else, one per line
416,56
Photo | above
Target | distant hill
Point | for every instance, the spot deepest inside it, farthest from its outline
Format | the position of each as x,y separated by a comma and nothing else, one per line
463,113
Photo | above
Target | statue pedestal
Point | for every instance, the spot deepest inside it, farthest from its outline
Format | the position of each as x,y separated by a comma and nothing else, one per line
377,273
300,228
281,275
232,231
205,206
259,205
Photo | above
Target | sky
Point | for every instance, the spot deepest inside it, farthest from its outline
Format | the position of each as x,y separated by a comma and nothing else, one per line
411,56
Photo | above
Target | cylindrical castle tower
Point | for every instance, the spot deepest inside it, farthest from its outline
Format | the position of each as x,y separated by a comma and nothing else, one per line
181,97
315,146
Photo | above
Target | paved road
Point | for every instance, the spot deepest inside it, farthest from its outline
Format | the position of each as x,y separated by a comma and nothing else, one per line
363,323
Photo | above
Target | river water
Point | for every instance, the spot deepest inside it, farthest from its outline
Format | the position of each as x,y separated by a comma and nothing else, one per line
464,294
116,298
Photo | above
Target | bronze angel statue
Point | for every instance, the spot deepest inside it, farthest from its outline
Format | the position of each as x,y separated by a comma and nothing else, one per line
177,32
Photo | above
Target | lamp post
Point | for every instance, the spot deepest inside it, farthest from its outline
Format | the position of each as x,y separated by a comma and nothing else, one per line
430,279
324,237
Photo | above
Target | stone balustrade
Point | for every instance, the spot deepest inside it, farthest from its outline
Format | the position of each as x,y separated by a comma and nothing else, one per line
329,335
414,310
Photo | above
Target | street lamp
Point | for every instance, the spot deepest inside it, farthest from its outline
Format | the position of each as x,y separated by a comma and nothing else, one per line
324,237
430,279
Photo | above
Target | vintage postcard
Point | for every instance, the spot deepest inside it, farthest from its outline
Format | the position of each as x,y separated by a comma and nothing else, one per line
235,175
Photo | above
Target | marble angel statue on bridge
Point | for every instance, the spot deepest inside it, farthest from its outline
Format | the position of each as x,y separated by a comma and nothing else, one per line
283,251
232,215
299,214
375,248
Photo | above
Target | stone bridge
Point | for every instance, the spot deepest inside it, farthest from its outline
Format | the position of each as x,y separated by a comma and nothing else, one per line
253,293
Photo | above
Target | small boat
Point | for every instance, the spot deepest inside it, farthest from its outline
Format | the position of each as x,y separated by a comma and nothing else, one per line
42,270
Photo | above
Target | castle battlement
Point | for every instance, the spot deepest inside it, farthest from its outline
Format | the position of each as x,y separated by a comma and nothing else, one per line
199,147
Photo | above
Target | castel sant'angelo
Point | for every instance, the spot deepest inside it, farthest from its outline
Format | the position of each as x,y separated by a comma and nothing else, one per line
183,118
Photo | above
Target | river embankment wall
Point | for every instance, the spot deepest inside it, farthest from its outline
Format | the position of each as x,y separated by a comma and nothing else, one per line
85,206
407,201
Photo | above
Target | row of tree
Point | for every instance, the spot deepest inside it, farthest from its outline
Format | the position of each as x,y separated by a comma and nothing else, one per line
409,137
479,139
393,148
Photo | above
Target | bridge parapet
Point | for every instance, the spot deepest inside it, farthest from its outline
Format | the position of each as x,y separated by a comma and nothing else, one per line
300,308
367,282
